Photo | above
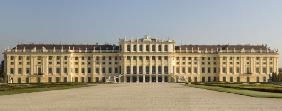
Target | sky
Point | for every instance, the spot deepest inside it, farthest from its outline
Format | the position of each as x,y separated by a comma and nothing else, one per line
105,21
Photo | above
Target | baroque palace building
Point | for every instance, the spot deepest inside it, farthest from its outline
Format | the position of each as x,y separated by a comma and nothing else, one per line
140,60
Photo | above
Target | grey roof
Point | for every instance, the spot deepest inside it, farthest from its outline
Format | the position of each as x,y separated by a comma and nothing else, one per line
75,47
221,47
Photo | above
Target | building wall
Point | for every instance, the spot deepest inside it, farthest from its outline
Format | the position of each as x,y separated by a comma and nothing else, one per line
141,60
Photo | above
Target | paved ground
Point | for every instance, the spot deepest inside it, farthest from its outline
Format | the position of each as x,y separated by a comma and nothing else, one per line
136,97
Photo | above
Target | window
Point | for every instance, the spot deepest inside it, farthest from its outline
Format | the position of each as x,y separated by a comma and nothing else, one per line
82,70
177,70
189,70
209,70
134,47
160,48
183,70
20,57
27,58
203,70
224,79
153,69
264,69
214,70
153,48
50,57
264,79
66,57
248,70
140,58
147,48
231,79
58,70
12,57
224,70
27,70
103,70
128,69
257,58
257,69
238,79
116,70
19,70
189,58
49,70
58,57
110,70
65,70
147,69
39,71
97,70
195,69
58,79
147,58
159,69
134,70
231,70
238,69
76,70
166,69
128,47
140,70
166,48
153,57
140,47
89,70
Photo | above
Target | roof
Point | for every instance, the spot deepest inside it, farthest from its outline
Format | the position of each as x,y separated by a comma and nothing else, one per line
64,46
221,47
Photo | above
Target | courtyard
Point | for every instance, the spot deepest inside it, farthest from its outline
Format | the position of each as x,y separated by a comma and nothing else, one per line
136,97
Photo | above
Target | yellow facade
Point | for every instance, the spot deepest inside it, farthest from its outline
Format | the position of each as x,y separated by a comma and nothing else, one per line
140,60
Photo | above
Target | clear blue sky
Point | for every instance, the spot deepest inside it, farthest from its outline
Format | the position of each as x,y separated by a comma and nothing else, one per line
104,21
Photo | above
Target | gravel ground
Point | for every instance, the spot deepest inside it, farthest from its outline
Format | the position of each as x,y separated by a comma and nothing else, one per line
136,97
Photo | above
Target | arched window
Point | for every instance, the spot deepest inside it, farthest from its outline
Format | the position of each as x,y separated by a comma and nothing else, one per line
147,48
166,48
140,47
128,47
160,47
153,48
135,48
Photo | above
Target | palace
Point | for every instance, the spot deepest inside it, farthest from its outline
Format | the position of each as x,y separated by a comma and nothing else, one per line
139,60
